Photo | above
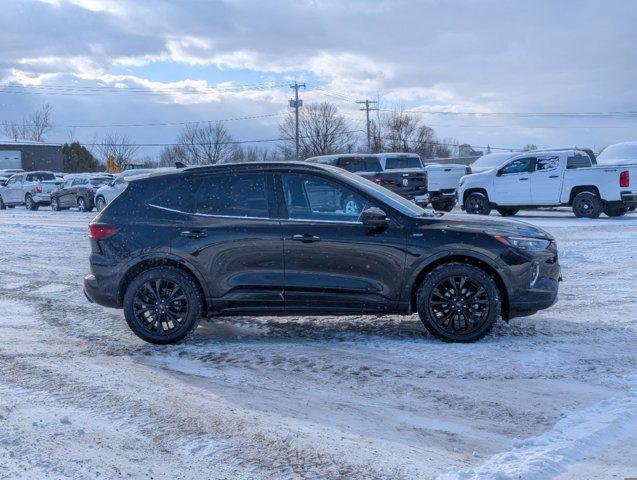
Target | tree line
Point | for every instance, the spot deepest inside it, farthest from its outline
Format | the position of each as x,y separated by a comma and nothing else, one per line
323,130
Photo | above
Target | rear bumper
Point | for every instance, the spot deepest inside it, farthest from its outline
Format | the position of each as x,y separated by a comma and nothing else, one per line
96,293
42,198
629,198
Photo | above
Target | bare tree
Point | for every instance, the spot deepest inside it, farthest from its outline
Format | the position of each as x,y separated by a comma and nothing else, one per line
322,131
252,153
33,127
121,148
172,154
206,144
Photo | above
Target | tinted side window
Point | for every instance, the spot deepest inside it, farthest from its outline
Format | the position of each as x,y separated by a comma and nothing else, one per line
578,161
547,163
241,195
520,165
308,197
179,195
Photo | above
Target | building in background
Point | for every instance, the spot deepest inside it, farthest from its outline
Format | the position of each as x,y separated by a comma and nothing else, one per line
29,155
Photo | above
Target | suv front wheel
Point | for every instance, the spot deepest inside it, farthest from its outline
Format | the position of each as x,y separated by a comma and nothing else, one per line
458,302
163,305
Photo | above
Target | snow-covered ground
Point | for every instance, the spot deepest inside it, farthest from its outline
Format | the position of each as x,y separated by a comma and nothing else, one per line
549,396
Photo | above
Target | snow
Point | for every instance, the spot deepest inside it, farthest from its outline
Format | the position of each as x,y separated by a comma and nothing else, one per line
553,395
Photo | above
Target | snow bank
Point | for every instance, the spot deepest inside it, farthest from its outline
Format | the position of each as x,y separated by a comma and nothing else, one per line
574,437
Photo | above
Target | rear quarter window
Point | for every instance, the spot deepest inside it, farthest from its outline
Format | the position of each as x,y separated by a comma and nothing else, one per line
578,161
178,195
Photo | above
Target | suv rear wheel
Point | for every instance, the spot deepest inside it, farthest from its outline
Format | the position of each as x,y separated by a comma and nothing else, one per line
55,204
163,305
458,302
587,204
30,204
82,205
477,203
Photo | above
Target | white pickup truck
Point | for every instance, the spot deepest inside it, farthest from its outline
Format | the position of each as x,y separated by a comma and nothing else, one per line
550,178
31,189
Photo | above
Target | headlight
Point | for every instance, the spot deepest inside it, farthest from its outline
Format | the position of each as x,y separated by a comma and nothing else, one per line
524,243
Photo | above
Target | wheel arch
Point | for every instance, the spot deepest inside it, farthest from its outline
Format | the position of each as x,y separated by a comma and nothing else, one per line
580,189
469,259
469,191
160,261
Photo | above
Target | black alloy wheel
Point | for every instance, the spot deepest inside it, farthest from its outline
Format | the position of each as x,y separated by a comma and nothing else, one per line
162,305
458,303
478,204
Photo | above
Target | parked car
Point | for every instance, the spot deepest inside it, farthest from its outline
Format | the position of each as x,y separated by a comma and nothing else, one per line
624,153
274,239
78,191
8,172
404,174
106,193
32,189
550,178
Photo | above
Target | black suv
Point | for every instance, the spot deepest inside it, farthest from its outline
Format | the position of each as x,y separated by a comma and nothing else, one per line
274,239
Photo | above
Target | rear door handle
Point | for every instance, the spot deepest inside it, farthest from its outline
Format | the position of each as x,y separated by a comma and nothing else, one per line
306,238
524,178
193,234
554,176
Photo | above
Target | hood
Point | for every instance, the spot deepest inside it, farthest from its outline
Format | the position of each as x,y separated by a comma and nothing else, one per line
475,170
492,225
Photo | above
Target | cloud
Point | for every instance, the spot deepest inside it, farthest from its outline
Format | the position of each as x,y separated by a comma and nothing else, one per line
431,55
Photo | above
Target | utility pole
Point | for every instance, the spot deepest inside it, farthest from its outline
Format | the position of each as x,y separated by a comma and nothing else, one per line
367,109
295,103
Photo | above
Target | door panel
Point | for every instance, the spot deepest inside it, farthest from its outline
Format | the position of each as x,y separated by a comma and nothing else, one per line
512,185
546,181
232,241
331,265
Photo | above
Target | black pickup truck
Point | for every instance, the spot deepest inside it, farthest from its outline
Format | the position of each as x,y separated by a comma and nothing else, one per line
408,182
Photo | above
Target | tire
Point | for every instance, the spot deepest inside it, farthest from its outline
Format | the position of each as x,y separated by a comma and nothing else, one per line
478,204
30,204
82,206
100,203
587,205
144,315
10,206
507,212
615,211
2,205
432,305
444,206
55,204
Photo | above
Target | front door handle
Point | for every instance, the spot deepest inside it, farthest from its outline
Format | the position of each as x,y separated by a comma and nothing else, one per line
193,234
554,176
524,178
306,238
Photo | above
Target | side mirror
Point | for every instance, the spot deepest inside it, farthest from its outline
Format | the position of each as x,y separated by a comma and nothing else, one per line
498,173
374,217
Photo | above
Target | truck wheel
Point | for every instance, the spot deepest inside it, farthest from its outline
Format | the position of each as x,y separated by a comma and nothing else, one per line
100,203
507,212
163,305
30,204
458,302
615,211
587,204
2,205
477,203
443,206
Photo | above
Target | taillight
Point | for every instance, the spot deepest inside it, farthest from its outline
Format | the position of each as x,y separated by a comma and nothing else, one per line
88,190
101,231
467,171
624,179
378,180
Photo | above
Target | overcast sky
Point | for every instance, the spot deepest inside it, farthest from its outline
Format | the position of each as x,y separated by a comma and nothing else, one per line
193,60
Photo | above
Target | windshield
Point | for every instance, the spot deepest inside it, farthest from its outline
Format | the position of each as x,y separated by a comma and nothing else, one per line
100,181
492,160
394,163
401,204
